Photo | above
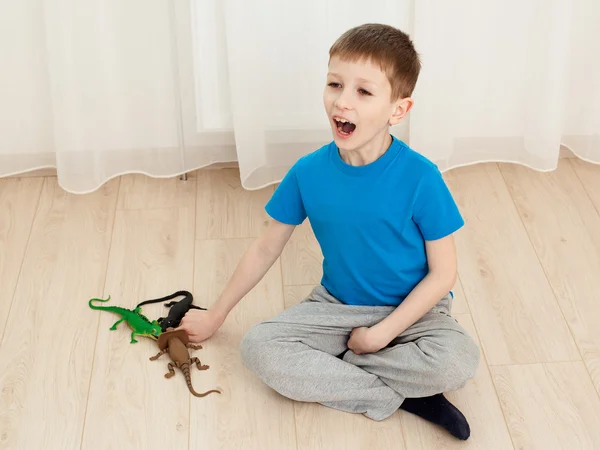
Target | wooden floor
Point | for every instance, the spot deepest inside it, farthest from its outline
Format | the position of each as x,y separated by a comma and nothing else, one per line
529,292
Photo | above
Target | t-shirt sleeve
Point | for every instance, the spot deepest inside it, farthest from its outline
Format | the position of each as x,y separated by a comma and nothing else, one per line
435,211
286,204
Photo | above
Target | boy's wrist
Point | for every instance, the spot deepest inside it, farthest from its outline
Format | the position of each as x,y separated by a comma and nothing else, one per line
219,312
384,331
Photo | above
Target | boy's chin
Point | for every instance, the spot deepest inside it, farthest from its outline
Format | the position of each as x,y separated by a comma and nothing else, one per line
345,143
348,145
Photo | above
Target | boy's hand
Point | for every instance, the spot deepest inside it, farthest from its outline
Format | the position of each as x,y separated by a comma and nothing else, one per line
366,340
200,325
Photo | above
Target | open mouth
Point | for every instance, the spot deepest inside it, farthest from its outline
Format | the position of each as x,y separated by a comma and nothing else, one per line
344,127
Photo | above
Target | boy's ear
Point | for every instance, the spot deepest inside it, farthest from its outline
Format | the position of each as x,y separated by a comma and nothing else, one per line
401,109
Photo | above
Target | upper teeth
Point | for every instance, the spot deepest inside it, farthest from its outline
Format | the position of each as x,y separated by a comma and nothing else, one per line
342,120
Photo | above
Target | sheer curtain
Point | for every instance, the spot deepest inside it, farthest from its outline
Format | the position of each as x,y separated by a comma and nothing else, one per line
160,87
508,81
98,89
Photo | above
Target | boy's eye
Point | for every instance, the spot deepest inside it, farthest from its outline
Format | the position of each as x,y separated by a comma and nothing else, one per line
334,85
363,92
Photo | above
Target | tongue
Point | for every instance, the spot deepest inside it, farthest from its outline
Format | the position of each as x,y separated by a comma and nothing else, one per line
348,127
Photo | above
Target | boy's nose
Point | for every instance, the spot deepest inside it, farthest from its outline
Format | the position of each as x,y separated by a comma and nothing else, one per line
343,101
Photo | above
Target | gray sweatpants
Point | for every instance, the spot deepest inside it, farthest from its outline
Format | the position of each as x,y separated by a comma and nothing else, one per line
296,354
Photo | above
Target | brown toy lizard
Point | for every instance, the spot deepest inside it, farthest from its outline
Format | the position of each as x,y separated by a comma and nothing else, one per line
176,343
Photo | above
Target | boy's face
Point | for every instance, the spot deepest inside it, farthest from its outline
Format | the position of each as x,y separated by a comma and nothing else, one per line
358,103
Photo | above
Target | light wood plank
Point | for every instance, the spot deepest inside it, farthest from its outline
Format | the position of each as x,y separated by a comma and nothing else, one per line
302,259
459,304
151,256
549,406
322,428
226,210
565,231
477,401
509,296
247,414
293,295
18,200
144,192
589,175
48,345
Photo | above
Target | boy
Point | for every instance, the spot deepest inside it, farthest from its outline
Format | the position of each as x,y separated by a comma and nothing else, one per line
377,334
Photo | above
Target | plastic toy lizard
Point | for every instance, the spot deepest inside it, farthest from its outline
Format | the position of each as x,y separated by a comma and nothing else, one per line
139,323
177,311
176,343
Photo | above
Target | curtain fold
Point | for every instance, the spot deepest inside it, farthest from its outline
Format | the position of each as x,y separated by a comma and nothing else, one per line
98,89
507,81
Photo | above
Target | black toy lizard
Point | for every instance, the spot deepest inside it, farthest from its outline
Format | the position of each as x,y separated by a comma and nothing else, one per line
177,311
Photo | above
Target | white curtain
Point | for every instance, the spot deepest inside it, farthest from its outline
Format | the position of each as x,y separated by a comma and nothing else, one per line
163,87
101,88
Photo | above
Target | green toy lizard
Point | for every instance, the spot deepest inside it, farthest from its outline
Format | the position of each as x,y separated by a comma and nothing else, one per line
139,323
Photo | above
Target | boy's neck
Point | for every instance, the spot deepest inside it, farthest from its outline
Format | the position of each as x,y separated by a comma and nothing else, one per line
370,152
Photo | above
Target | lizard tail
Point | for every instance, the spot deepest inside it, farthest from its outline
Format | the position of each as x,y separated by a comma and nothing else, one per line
186,294
97,300
185,368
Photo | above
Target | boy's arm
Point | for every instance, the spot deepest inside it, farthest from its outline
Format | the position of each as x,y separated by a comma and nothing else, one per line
441,257
253,266
436,214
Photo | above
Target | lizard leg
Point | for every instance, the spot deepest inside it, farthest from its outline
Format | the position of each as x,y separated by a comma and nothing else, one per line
171,371
114,327
198,363
158,355
133,341
195,347
197,307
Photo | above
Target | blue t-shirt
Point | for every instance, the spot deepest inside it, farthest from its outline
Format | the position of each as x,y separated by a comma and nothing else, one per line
371,221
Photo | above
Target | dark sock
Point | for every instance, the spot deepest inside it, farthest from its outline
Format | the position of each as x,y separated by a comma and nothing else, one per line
439,410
